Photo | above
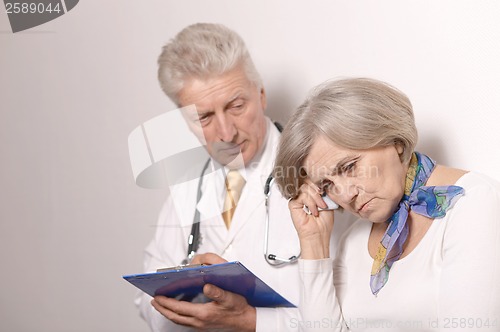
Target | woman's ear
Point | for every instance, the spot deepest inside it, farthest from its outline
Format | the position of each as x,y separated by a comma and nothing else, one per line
400,148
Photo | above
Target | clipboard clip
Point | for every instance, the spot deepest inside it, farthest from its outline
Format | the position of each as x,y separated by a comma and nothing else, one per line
179,267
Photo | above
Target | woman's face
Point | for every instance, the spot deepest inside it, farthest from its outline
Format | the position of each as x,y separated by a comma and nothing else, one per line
368,183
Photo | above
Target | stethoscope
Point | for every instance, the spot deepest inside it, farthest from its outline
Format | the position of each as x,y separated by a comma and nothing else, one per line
195,236
271,258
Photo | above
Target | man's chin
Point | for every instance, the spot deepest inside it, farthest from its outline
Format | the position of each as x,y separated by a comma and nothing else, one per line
232,161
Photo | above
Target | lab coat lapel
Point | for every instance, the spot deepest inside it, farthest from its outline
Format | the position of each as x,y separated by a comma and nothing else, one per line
209,205
251,203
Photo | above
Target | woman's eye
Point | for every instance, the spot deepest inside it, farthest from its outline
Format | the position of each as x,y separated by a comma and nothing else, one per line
348,168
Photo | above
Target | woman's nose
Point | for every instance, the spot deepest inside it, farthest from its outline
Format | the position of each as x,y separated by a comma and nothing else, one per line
345,190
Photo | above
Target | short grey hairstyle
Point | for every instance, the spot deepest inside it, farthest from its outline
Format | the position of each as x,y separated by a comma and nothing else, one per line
353,113
202,51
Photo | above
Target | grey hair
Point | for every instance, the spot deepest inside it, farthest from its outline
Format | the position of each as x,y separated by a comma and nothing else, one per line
354,113
202,51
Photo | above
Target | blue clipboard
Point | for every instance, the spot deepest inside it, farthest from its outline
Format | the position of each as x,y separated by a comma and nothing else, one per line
187,282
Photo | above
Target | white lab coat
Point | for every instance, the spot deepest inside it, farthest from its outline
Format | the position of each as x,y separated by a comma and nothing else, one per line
243,241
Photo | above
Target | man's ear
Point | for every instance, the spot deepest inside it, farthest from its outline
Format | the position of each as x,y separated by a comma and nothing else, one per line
263,99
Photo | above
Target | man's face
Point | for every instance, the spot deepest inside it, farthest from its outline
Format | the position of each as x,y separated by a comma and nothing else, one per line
230,115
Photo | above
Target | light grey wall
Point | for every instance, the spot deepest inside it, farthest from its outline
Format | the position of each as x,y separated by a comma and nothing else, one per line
71,219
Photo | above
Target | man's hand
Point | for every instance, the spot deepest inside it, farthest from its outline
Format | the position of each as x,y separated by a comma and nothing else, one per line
208,258
227,312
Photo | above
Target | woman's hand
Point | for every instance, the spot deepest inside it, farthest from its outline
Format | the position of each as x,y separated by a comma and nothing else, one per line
314,229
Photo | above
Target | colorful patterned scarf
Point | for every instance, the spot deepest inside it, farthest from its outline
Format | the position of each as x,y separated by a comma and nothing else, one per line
432,202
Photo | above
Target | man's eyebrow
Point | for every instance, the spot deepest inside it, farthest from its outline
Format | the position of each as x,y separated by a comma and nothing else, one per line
236,96
204,112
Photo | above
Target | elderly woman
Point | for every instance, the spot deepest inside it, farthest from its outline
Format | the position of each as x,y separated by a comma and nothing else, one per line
425,253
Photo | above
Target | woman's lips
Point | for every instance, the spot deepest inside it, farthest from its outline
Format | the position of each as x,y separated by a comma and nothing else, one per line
364,206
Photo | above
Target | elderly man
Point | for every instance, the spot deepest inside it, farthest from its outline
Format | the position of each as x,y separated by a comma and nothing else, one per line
208,65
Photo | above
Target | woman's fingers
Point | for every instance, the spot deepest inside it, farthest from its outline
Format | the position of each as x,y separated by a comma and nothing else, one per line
310,197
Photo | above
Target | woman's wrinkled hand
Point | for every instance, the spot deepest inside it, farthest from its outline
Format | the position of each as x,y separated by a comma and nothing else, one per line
314,229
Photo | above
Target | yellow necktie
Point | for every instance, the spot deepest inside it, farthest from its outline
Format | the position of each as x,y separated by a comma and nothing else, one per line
234,185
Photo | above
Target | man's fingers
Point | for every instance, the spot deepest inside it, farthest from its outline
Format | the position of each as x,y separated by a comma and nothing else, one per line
224,298
180,312
208,258
181,308
215,293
